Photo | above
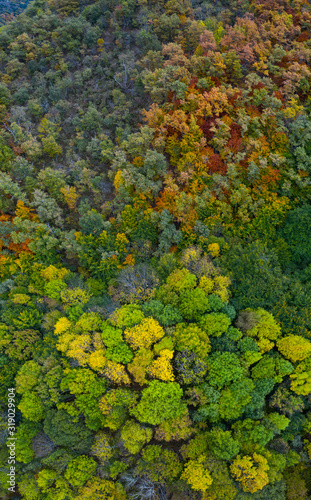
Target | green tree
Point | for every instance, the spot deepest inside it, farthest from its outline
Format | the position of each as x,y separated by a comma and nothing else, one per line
80,470
222,444
160,401
159,464
224,367
135,436
64,431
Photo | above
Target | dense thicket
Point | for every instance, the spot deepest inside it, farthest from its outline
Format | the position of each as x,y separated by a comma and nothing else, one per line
155,265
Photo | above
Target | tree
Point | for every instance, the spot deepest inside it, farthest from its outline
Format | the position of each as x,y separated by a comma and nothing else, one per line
64,431
159,402
294,347
115,406
224,368
251,472
135,284
32,407
102,447
80,470
161,367
25,433
192,338
301,378
215,324
272,367
140,365
145,334
134,436
257,280
248,432
102,489
87,388
261,325
222,444
175,428
234,399
196,475
159,464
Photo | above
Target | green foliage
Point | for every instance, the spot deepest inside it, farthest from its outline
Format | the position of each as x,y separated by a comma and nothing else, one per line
159,402
31,407
80,470
63,431
192,338
120,353
296,231
215,324
250,432
157,155
134,436
87,388
115,406
25,433
234,399
224,368
222,444
159,464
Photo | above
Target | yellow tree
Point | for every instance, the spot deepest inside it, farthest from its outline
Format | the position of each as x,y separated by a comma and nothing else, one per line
294,347
145,334
250,472
196,475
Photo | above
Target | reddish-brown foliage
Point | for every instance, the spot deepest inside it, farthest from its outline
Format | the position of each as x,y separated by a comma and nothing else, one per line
193,82
206,127
303,37
216,165
235,142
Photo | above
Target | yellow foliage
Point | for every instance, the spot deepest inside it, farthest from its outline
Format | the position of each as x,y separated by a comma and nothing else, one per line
52,273
78,347
161,368
116,373
293,109
50,146
207,284
62,325
20,298
64,341
175,428
145,334
74,297
196,475
118,180
221,287
301,378
261,66
97,360
100,45
102,448
121,242
266,329
294,347
214,249
250,472
139,366
24,212
71,196
265,345
191,254
89,322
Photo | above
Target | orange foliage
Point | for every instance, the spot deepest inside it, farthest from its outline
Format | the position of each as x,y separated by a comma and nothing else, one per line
22,212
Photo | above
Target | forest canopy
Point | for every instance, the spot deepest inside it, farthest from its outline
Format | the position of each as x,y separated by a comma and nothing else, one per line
155,269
